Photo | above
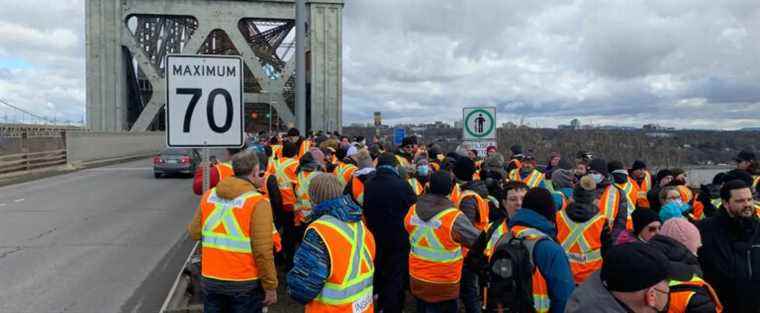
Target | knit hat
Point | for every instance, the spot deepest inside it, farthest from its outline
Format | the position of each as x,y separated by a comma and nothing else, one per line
464,168
614,166
324,187
363,159
643,217
599,165
516,149
408,141
318,155
684,232
293,132
495,160
638,165
662,174
441,183
563,178
540,200
585,191
633,267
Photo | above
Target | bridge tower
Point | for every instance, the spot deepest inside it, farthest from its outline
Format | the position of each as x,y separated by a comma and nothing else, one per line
128,39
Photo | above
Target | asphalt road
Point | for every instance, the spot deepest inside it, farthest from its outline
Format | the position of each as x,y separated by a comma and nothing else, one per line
108,239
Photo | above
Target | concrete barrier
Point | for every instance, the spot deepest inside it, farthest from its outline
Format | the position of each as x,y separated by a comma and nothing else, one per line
84,147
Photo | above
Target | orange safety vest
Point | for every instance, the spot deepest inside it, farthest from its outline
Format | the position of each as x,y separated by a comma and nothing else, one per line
533,180
455,194
285,171
416,186
629,190
225,170
609,203
277,151
756,182
305,146
351,248
482,207
435,166
643,189
303,201
357,190
434,255
541,301
582,244
226,252
344,172
682,291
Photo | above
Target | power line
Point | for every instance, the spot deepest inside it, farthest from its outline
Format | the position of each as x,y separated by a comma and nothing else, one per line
3,101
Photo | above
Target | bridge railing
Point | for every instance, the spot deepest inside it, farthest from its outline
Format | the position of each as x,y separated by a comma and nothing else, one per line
30,161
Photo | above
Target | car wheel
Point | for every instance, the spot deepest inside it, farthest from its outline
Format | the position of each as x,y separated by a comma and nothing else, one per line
157,175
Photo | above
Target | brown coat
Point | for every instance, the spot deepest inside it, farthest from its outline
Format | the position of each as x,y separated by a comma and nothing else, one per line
261,229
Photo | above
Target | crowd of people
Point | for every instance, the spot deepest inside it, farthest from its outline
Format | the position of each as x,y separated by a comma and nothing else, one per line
359,226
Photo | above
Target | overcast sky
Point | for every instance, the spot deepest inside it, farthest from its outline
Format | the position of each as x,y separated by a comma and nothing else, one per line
688,63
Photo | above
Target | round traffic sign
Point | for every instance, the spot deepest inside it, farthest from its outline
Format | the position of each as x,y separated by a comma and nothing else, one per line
479,123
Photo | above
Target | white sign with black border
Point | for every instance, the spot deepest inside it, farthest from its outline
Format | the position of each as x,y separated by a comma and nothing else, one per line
479,123
204,101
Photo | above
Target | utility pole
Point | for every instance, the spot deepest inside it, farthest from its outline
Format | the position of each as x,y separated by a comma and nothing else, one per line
301,66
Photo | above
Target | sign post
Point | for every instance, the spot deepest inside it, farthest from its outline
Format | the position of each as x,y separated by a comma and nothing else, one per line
479,128
204,103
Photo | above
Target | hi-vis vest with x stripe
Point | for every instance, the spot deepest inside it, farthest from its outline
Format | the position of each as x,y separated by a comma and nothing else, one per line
351,248
533,180
434,255
226,237
609,203
630,192
582,244
284,170
344,172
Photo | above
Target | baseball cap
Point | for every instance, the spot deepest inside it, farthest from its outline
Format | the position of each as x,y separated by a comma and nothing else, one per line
634,266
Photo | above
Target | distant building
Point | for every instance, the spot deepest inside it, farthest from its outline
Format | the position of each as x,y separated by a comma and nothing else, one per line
378,118
509,125
458,124
575,124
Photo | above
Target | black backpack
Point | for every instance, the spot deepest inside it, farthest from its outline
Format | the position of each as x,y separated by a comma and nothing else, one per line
509,275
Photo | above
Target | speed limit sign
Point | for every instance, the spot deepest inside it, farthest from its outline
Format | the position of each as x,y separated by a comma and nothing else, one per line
204,101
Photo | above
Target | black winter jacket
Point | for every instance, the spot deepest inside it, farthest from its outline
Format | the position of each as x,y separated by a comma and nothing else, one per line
387,199
730,259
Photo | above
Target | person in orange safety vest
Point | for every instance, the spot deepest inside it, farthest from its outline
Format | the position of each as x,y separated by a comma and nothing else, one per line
234,224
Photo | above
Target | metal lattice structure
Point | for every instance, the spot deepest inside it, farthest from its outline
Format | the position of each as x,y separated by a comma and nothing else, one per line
134,45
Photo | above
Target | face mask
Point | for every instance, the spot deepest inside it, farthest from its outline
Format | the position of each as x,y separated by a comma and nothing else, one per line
597,177
423,170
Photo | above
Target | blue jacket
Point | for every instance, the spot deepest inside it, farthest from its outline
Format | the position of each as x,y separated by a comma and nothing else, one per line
549,257
311,263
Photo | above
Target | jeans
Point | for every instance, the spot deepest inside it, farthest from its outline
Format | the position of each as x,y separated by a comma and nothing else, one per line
468,291
450,306
233,302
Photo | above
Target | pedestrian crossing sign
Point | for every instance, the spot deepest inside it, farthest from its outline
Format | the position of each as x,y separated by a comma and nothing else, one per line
479,123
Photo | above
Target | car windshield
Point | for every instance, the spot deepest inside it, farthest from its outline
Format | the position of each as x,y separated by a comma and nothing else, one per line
176,152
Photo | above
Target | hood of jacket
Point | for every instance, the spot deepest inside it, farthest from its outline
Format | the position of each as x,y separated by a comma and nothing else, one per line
431,204
342,208
232,187
592,297
683,264
387,170
581,212
477,186
529,218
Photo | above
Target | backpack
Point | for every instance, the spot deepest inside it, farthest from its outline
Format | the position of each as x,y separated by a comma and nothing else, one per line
509,275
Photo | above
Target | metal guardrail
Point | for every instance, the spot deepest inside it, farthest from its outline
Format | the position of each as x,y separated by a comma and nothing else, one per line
30,161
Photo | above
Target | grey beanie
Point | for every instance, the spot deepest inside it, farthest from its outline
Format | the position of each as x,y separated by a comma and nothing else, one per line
363,159
563,178
324,187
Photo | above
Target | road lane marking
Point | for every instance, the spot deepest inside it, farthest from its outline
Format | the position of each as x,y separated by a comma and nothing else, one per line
118,169
18,200
3,204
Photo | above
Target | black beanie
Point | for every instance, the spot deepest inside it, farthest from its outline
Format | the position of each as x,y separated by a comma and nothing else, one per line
516,149
641,218
464,168
599,165
638,165
662,174
633,267
441,183
614,166
387,159
293,132
540,200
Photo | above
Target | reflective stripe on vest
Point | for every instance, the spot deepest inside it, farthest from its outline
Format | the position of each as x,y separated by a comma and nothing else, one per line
455,194
416,186
756,182
234,240
303,201
284,181
497,234
630,197
353,291
609,203
425,230
533,180
344,172
576,236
